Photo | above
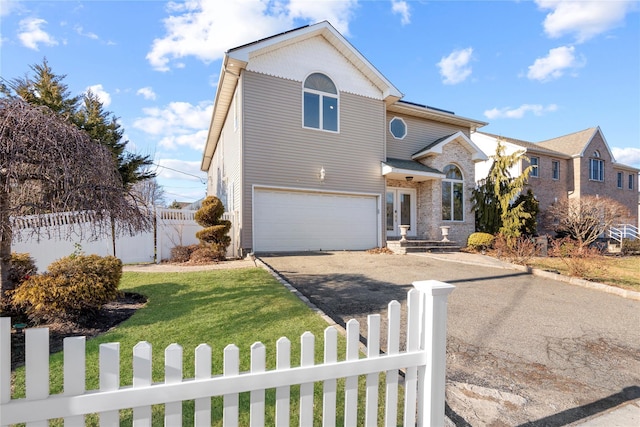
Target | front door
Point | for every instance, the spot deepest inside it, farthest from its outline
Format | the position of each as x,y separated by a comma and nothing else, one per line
401,210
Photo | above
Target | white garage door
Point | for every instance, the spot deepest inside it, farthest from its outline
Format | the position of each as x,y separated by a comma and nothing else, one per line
298,221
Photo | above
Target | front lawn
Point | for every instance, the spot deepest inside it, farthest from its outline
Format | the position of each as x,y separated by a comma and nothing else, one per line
623,272
215,307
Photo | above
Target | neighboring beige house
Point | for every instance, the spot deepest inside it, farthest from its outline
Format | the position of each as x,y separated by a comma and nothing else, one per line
316,150
569,166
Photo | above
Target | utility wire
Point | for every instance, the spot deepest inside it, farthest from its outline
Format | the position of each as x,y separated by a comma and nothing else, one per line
202,180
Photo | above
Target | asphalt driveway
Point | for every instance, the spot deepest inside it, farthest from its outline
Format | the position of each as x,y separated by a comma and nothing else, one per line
521,349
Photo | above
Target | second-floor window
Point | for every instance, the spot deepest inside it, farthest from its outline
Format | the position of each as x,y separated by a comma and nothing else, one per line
630,182
596,167
535,162
555,170
619,179
320,103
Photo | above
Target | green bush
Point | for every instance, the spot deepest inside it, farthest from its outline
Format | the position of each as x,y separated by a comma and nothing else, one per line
480,241
22,267
73,287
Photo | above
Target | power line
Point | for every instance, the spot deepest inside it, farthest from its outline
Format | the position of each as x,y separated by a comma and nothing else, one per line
202,180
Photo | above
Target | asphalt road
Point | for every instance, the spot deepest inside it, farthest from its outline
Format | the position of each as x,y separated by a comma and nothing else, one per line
521,350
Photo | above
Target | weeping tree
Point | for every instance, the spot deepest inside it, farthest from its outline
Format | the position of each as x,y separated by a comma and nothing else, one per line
49,165
87,112
496,199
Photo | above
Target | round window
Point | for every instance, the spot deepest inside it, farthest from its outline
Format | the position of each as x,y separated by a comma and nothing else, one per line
398,128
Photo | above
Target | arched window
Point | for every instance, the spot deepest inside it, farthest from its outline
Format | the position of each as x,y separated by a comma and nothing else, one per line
452,194
320,103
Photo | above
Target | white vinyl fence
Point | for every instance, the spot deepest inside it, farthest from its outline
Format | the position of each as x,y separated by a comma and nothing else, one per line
173,227
423,362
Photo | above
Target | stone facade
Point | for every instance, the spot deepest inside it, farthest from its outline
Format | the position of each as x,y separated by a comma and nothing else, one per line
429,196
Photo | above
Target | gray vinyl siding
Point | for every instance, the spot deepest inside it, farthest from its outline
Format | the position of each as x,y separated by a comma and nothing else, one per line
279,152
225,169
420,133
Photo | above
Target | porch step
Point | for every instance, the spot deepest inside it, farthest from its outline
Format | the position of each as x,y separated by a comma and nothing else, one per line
414,245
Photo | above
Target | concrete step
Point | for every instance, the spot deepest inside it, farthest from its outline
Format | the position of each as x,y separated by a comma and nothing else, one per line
414,245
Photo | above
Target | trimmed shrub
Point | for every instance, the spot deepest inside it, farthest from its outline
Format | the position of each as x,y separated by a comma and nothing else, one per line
73,287
215,232
480,241
204,255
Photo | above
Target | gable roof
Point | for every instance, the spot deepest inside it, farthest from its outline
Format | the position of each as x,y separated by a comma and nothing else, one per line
477,155
236,59
573,144
528,146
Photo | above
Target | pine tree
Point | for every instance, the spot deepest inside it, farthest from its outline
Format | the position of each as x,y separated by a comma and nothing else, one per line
498,196
46,88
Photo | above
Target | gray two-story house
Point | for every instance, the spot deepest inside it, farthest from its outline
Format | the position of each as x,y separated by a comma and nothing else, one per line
316,150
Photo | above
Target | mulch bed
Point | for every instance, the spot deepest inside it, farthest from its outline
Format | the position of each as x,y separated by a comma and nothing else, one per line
110,315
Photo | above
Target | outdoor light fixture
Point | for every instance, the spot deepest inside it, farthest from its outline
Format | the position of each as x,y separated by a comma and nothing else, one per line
322,174
409,178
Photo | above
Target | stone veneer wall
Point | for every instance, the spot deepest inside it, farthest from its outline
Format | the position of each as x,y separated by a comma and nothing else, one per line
429,194
455,153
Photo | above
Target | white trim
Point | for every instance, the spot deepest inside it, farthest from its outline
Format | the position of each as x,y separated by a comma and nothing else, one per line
406,128
477,155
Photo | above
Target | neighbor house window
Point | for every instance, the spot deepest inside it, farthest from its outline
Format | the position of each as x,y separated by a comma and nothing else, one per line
555,170
596,167
398,128
452,194
535,162
320,103
619,179
630,182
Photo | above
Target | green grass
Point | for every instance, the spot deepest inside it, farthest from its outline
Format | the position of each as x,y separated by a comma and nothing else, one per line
623,272
217,308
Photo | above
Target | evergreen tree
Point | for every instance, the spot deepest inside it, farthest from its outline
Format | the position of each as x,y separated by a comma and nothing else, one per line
497,196
103,126
46,88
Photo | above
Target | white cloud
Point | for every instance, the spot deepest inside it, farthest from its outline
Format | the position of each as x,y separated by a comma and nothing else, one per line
584,19
206,29
89,34
147,92
401,8
31,34
455,68
555,64
518,113
102,94
627,156
180,124
7,7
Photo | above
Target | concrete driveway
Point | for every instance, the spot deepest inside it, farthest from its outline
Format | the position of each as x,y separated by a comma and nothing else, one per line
521,350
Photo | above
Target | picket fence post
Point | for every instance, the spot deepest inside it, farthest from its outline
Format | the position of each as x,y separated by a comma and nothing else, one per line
432,378
424,362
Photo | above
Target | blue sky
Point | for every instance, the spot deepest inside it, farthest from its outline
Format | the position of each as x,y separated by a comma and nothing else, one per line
533,69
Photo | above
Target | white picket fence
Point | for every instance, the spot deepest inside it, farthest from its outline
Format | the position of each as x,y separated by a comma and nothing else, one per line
61,232
423,362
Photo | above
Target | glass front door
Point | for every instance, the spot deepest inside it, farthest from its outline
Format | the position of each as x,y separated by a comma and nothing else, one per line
401,210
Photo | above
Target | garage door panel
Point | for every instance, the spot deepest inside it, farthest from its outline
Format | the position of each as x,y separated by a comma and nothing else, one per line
297,221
